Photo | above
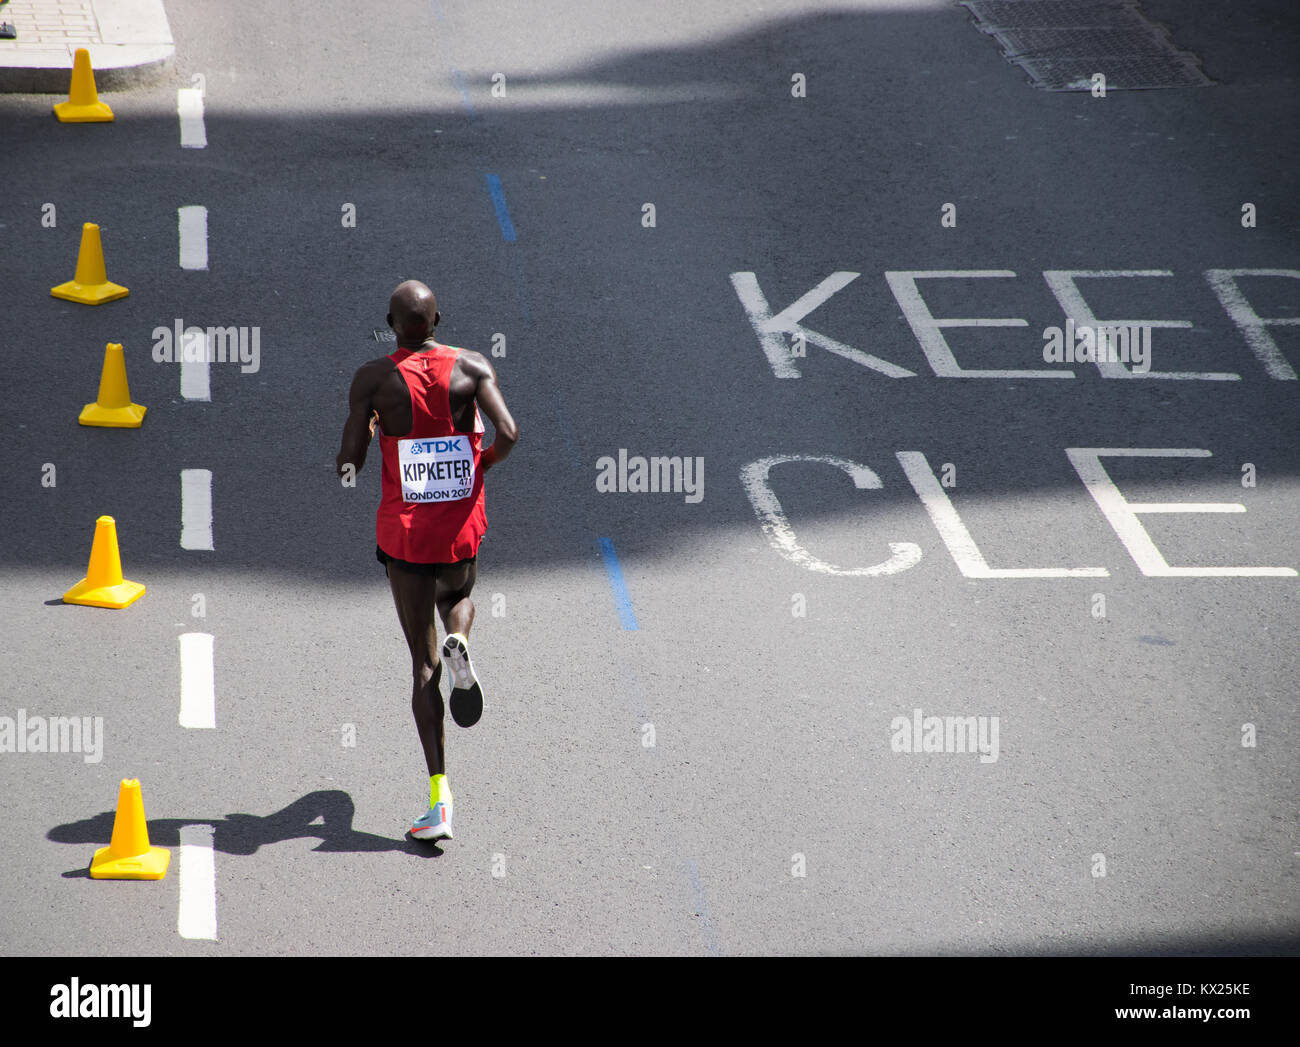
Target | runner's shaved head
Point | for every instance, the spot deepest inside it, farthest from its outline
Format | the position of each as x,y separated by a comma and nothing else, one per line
412,312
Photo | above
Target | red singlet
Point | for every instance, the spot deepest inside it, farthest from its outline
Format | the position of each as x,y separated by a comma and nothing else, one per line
431,505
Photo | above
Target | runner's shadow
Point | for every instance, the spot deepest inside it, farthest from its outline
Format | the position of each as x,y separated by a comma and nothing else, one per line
326,814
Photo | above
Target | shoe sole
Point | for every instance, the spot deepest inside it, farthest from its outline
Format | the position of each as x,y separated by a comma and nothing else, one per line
466,702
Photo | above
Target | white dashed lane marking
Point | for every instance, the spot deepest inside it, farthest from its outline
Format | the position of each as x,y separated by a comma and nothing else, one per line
189,107
192,229
196,509
197,917
198,681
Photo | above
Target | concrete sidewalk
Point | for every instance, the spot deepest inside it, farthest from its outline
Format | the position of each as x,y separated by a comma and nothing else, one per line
129,42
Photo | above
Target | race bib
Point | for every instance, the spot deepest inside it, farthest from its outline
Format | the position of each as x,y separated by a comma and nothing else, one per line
437,469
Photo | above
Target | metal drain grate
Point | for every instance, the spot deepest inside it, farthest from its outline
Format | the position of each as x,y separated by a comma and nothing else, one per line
1122,74
1055,14
1080,43
1060,44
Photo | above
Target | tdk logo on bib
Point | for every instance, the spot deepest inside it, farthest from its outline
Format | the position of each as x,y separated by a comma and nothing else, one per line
456,443
436,470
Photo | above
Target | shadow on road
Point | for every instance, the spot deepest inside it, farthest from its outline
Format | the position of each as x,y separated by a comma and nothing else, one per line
326,814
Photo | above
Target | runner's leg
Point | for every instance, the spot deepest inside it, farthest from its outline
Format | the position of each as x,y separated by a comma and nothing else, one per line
451,594
414,596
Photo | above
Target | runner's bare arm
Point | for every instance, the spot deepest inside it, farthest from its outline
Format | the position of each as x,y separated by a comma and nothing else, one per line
488,395
360,426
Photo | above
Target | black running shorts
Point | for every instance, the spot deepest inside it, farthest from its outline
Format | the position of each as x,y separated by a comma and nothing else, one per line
430,569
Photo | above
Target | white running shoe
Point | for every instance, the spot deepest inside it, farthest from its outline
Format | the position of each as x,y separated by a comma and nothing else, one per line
436,825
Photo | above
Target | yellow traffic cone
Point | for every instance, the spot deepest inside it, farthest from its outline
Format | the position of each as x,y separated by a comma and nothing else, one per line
83,105
103,585
113,408
90,285
128,855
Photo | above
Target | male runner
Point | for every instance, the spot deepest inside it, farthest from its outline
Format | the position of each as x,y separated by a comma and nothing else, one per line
425,398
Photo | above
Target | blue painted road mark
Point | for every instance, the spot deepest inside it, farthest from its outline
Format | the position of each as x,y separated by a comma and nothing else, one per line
503,212
701,904
458,78
621,599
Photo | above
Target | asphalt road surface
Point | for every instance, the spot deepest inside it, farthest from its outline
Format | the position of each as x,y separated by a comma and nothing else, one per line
701,731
